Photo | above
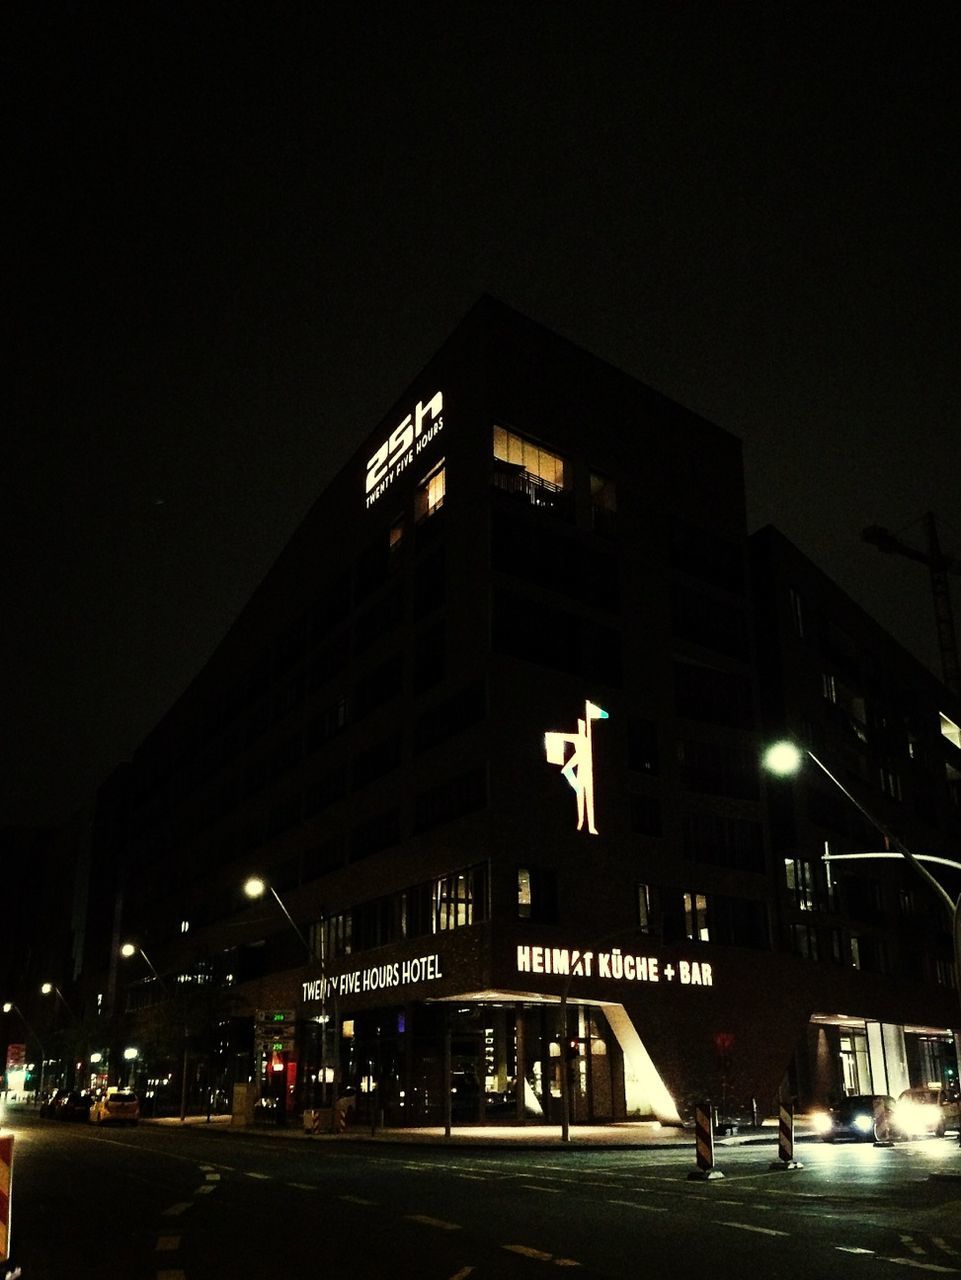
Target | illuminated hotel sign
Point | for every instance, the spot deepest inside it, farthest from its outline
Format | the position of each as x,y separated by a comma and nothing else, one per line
578,767
403,444
616,965
378,977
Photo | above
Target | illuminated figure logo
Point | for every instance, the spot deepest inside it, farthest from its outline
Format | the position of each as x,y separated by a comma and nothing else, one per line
578,767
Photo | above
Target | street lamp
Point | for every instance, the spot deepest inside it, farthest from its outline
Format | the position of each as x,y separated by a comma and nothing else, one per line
256,887
128,950
10,1007
51,987
785,759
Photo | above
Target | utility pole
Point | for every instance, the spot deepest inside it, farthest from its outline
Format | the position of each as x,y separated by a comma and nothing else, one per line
939,565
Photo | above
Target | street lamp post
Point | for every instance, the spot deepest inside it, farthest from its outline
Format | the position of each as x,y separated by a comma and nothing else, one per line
256,887
11,1007
785,759
132,949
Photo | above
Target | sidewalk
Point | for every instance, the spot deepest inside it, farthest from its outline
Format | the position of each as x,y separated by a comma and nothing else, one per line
629,1135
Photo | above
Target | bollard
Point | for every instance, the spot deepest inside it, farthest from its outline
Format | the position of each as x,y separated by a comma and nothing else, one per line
882,1128
6,1195
704,1145
785,1139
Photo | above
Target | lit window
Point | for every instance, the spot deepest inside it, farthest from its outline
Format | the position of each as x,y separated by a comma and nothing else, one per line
524,900
185,926
540,463
695,917
431,492
453,901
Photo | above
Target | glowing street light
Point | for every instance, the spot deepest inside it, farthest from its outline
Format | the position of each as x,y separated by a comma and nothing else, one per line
132,949
786,758
51,988
256,887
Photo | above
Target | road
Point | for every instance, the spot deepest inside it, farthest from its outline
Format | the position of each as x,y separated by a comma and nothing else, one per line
208,1203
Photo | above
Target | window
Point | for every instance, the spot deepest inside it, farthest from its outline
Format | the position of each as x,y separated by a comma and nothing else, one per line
799,878
855,944
603,505
804,941
536,894
453,901
538,463
644,908
642,753
695,917
431,492
797,612
646,816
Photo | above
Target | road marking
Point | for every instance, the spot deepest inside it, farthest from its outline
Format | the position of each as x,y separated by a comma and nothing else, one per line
356,1200
213,1177
533,1186
205,1190
912,1244
264,1177
167,1244
426,1221
176,1209
462,1274
747,1226
635,1204
539,1255
921,1266
474,1177
302,1186
944,1246
850,1248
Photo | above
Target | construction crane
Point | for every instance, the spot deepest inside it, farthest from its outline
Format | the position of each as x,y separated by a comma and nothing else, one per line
940,565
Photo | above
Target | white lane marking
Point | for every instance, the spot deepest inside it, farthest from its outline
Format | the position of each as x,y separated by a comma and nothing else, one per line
944,1246
850,1248
635,1204
167,1244
356,1200
473,1177
427,1221
462,1274
920,1266
264,1177
205,1190
302,1186
747,1226
553,1191
213,1177
176,1209
912,1244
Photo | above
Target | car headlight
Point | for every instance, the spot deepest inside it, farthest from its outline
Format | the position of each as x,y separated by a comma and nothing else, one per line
821,1121
864,1122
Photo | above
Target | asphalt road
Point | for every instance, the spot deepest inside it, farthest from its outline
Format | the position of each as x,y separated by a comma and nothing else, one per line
162,1203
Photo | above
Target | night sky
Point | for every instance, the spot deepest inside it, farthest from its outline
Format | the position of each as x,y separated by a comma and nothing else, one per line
240,231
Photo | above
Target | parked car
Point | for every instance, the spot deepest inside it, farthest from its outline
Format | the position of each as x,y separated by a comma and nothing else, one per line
67,1104
118,1106
924,1110
863,1117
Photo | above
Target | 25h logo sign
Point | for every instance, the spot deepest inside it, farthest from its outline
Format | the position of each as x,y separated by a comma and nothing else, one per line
407,439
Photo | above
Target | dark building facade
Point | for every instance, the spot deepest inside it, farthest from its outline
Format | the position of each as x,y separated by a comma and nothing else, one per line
489,732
